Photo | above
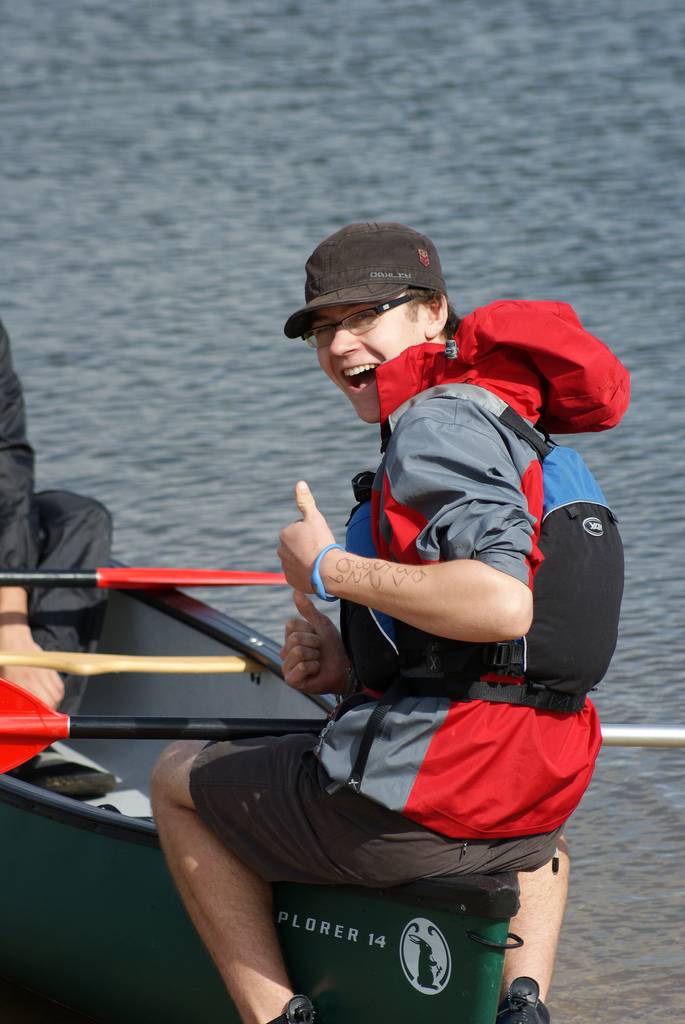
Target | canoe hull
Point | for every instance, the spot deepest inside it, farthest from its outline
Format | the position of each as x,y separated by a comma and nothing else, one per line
91,918
93,922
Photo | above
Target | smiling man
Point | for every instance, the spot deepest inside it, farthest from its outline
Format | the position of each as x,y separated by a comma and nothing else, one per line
378,337
444,758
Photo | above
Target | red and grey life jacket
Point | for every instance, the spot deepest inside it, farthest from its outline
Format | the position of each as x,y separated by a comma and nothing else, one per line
577,589
577,558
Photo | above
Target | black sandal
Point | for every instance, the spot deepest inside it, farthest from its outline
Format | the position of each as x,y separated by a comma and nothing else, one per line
297,1010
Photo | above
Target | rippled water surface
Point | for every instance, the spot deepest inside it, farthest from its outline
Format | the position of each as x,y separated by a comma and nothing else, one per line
167,168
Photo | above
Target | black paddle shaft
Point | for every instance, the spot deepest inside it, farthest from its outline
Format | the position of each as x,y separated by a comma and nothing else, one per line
45,578
149,728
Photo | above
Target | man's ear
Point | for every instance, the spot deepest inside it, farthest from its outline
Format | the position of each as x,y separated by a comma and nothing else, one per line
436,317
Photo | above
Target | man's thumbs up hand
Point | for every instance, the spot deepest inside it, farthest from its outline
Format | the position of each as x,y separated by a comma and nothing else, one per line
302,541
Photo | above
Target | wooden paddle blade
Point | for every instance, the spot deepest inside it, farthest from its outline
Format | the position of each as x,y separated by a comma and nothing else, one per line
27,725
160,579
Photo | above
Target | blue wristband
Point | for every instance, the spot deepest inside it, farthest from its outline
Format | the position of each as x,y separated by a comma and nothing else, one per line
317,582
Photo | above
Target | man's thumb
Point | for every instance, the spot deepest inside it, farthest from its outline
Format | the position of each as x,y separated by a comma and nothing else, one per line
304,499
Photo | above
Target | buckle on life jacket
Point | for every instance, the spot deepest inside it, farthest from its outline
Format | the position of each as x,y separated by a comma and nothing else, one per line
362,486
507,657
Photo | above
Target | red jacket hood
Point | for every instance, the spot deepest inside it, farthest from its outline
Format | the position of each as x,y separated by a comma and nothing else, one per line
537,356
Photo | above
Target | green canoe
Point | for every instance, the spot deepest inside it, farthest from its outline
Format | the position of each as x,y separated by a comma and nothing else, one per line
91,919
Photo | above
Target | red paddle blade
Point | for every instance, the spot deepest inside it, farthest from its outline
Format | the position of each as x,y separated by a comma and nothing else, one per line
162,578
27,726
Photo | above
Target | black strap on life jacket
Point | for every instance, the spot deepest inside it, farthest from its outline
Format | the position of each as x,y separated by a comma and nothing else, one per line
542,445
526,694
371,730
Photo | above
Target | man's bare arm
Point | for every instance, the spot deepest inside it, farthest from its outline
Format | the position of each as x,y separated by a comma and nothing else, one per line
461,600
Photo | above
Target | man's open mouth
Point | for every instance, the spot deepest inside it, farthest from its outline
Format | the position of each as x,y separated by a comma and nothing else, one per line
359,377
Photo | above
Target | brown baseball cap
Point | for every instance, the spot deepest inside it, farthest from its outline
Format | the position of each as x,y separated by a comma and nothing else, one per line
366,261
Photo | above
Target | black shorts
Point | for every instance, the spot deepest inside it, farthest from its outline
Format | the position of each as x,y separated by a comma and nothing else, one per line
266,800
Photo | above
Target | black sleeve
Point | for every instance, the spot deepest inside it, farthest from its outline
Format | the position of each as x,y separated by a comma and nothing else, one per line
18,547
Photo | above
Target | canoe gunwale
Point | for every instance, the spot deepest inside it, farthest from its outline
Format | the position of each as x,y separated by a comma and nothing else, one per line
77,814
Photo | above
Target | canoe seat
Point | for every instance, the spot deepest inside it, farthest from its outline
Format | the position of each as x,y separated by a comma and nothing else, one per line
490,896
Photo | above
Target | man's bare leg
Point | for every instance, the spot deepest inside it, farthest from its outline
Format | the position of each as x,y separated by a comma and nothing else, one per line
538,922
229,905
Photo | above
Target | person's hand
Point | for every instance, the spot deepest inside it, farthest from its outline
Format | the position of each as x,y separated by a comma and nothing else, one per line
44,683
302,541
314,658
15,635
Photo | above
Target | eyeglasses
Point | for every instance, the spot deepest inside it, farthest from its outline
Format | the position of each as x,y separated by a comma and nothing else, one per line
355,323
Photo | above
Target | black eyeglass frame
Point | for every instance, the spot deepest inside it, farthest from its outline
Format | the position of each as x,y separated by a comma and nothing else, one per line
310,336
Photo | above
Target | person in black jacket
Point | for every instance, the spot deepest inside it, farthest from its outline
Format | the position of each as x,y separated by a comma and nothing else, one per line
47,530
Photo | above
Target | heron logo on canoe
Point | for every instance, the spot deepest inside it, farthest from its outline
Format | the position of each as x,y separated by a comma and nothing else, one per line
425,956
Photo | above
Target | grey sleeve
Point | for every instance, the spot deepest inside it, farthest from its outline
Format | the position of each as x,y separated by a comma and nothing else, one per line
449,463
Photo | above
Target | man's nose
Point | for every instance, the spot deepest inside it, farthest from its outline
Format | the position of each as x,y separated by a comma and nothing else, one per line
343,341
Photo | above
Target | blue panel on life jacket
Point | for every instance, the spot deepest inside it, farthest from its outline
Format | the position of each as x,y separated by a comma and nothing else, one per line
359,541
567,479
